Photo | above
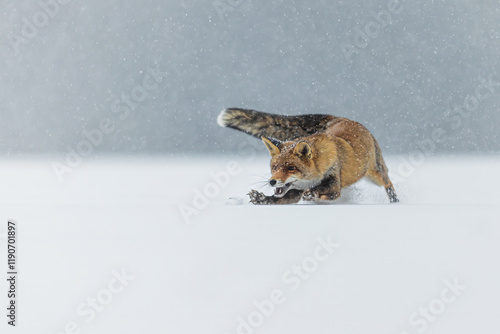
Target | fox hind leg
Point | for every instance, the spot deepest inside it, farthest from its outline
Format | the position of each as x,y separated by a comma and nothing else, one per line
379,174
381,178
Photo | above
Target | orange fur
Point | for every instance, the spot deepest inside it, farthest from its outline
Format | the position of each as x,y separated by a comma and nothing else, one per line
346,152
314,156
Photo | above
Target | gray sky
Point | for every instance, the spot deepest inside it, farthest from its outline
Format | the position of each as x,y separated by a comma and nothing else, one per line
152,76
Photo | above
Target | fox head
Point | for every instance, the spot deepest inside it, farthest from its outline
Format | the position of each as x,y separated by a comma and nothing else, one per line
292,166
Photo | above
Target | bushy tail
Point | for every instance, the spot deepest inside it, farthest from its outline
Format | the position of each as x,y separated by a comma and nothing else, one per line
281,127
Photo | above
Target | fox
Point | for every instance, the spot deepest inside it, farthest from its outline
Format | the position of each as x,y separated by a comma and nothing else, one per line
313,157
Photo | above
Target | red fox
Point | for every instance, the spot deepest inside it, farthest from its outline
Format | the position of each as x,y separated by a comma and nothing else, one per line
313,157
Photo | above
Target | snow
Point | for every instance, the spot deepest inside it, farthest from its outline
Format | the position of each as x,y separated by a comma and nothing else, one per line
199,275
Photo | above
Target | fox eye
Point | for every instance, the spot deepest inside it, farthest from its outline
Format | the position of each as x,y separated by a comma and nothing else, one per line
291,168
275,167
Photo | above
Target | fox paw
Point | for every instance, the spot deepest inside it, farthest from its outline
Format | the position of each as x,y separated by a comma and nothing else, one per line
258,197
309,196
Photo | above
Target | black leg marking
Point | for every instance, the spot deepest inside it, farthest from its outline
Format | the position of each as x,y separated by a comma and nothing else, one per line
392,194
258,198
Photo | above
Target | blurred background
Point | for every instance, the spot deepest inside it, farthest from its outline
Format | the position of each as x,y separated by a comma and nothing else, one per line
152,76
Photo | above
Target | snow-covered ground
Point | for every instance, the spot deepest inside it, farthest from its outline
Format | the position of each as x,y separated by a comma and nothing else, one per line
138,245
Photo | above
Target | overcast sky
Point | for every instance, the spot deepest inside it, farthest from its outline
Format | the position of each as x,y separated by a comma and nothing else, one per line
152,76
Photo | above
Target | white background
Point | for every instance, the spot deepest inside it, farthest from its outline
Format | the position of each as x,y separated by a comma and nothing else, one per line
200,277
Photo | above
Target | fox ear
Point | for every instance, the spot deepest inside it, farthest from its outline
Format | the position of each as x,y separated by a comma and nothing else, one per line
273,145
303,150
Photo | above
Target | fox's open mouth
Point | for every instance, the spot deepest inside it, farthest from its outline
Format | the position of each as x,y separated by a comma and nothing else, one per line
281,191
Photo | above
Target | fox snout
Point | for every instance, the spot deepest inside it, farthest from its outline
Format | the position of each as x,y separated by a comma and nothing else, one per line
277,180
280,188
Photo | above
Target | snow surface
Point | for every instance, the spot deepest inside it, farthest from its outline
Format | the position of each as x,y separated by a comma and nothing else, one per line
199,277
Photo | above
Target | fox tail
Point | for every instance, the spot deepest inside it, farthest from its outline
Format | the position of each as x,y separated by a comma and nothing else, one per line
260,124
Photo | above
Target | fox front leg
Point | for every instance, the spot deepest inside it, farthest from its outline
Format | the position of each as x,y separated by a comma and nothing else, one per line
328,190
292,196
313,195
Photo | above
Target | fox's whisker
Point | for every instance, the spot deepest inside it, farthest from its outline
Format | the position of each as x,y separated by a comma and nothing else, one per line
258,183
261,177
264,185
